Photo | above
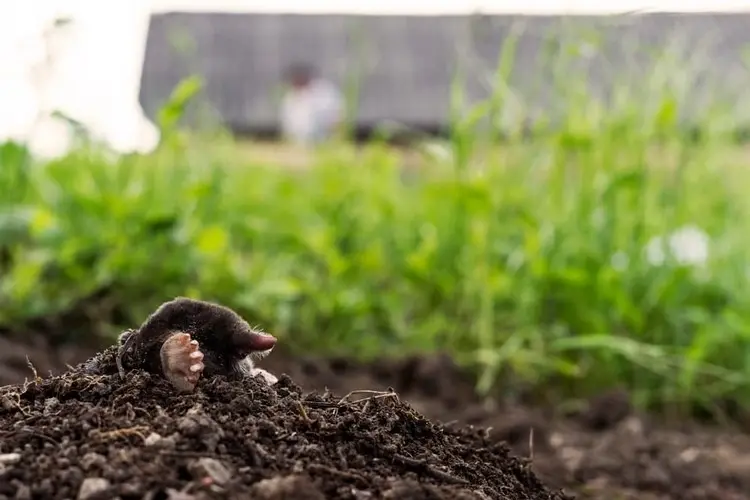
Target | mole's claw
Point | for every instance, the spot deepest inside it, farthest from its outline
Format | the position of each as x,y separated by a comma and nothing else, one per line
125,340
182,361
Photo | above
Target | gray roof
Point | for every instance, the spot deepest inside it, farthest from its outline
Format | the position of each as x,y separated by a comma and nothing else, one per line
402,68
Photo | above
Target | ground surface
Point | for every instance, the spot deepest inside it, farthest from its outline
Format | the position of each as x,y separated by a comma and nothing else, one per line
605,451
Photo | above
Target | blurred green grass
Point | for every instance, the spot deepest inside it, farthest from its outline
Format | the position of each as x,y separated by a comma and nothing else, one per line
523,258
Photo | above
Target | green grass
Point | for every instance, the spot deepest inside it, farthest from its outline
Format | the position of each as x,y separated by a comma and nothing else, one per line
502,255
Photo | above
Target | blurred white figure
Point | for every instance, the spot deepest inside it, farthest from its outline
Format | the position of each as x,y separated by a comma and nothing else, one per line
312,107
87,68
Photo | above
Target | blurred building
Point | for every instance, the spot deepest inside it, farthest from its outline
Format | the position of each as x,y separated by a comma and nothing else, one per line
402,68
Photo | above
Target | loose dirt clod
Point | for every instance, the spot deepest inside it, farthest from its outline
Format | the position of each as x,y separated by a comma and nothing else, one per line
92,487
82,436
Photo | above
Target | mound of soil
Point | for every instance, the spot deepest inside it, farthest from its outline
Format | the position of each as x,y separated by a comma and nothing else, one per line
602,451
86,437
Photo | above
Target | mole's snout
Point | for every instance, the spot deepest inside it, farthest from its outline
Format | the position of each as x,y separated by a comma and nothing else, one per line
254,342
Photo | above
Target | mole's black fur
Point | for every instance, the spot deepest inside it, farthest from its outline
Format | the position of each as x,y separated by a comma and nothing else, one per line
223,336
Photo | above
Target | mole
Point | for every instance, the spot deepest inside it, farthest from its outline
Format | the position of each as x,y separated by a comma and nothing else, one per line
186,338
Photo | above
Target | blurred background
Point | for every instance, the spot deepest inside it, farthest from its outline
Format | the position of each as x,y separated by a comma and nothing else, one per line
483,208
383,180
398,70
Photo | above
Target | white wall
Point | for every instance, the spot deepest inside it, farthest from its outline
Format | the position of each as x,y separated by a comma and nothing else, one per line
90,70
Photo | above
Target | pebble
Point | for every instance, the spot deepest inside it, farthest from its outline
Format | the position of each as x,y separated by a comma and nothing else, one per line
91,460
92,486
285,486
10,458
210,467
23,492
152,439
173,494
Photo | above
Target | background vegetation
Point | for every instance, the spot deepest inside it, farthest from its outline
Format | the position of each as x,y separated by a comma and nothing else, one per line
527,256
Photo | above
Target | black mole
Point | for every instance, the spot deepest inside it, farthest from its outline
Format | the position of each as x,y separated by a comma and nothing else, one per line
185,338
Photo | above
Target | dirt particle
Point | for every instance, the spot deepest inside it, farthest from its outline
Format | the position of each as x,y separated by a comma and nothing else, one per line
93,460
92,487
197,424
173,494
23,492
50,404
293,487
210,468
10,458
414,490
153,439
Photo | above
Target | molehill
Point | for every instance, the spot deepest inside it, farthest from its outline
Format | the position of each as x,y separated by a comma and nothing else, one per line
96,437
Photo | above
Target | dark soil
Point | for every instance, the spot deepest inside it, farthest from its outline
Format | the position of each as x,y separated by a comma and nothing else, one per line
604,450
141,437
79,436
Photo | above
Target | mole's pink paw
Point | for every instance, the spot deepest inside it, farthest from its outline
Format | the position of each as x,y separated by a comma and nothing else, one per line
182,361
